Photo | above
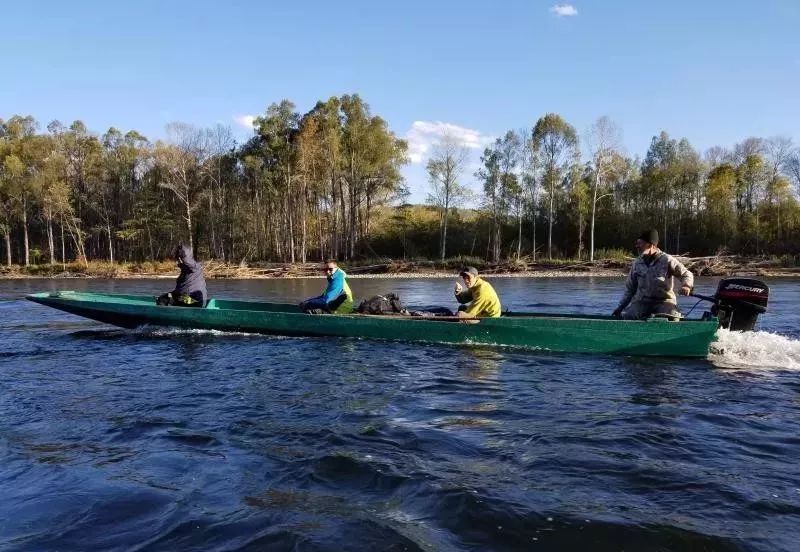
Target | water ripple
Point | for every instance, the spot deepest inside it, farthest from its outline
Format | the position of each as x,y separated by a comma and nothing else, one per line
163,439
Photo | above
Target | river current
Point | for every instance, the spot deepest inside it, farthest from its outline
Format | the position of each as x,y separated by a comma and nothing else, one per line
162,439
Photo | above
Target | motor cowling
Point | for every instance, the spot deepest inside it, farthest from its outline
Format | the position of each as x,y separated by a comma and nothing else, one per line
739,302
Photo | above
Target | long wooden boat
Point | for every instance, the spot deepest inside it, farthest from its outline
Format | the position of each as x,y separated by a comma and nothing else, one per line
551,332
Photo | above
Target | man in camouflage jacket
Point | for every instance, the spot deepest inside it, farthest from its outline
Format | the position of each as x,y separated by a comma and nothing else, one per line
648,287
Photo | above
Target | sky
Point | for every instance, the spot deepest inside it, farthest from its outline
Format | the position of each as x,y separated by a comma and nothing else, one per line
713,71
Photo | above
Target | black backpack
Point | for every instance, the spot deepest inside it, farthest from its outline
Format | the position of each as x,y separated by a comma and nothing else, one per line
381,304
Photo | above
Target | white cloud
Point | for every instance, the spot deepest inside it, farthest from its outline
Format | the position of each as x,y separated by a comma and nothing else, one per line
245,120
564,10
423,135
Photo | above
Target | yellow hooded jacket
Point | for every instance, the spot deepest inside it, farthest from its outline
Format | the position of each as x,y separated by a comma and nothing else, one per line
482,301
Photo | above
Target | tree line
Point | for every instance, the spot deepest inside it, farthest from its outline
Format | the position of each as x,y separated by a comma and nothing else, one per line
544,194
327,183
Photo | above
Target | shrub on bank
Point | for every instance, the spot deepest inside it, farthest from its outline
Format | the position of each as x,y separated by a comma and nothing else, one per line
93,269
612,254
789,261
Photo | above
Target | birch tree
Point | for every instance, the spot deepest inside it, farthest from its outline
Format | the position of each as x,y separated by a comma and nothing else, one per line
444,168
179,162
6,208
557,142
604,142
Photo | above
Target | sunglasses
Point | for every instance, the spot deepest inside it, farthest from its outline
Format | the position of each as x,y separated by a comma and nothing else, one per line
329,269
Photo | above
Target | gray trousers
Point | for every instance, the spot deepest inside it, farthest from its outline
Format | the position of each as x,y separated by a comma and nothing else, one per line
639,310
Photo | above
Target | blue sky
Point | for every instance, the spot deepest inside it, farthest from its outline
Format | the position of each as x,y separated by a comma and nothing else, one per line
712,71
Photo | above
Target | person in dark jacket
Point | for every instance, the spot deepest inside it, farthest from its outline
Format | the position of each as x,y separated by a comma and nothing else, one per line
190,288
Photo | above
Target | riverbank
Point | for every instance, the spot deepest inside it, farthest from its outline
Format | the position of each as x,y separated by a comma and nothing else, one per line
606,268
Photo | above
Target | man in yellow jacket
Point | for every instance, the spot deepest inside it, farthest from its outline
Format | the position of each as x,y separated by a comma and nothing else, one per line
478,300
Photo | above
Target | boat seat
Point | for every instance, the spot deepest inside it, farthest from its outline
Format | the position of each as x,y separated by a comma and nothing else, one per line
675,317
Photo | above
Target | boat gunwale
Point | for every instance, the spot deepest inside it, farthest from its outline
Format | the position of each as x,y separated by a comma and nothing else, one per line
507,316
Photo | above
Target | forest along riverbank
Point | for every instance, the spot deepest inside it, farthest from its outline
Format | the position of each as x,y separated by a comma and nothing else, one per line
768,267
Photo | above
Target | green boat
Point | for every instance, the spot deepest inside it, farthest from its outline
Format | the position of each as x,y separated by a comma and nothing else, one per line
550,332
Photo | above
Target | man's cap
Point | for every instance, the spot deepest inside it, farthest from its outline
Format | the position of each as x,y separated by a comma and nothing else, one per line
182,251
650,236
469,270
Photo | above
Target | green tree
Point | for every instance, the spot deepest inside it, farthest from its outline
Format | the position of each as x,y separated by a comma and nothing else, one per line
659,176
52,174
371,161
276,146
112,193
688,187
179,162
19,190
490,175
580,200
557,143
720,191
751,178
793,168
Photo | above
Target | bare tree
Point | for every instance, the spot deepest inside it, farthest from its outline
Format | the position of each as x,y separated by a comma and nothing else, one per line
179,162
716,156
218,142
511,193
604,141
779,151
444,170
747,148
528,164
530,178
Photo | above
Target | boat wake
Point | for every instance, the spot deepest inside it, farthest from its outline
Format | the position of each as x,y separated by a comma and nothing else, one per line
755,350
169,331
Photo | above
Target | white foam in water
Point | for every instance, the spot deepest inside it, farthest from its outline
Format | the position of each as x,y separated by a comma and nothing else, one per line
755,350
165,331
737,350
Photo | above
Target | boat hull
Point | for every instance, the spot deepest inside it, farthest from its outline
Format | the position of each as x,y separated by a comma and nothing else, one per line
551,332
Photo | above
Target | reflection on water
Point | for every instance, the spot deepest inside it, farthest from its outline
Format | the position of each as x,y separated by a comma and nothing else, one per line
165,439
486,363
656,381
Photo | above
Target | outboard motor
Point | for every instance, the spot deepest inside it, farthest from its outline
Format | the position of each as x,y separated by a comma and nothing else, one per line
739,301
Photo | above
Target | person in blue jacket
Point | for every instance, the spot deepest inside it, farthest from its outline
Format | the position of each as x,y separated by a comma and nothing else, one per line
337,298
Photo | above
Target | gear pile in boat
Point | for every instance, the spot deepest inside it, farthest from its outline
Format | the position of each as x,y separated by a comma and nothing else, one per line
382,304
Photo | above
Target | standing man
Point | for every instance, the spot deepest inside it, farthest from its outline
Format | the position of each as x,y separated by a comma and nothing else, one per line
337,298
478,300
648,288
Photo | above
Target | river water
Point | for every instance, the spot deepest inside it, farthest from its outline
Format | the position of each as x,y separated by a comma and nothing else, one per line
159,439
